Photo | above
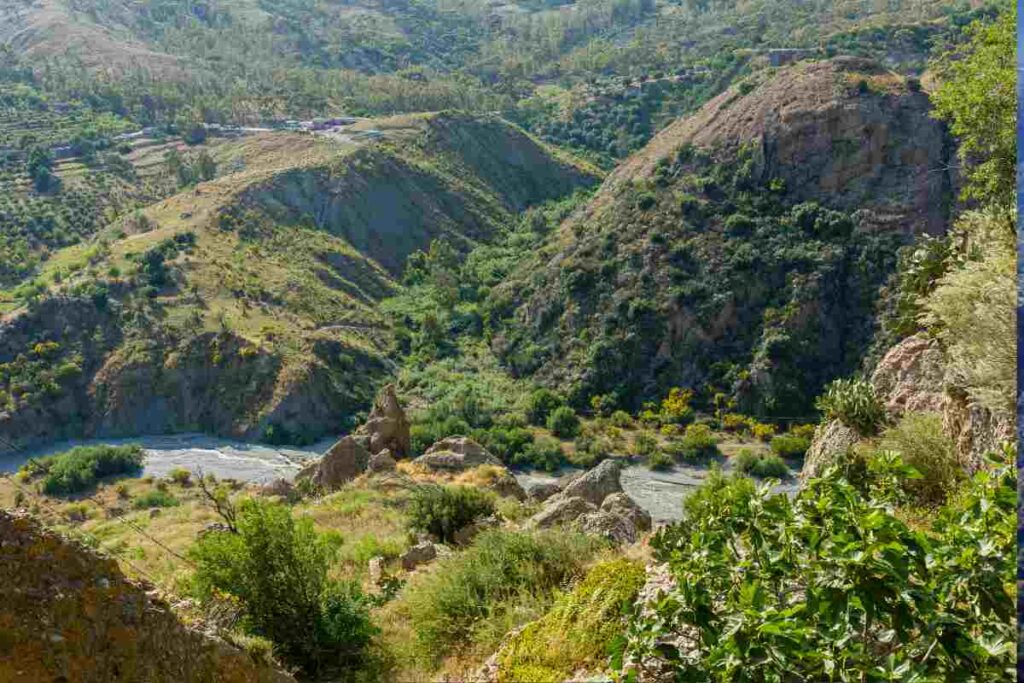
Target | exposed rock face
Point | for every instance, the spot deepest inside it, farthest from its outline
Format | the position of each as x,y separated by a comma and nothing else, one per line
421,553
561,509
616,528
70,614
387,426
382,462
623,505
278,487
540,492
912,377
596,484
831,439
345,461
456,453
975,430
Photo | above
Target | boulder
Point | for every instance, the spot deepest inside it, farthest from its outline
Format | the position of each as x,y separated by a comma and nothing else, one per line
421,553
624,506
466,534
456,453
504,484
596,484
911,377
540,492
345,461
831,440
376,570
561,509
278,487
387,427
382,462
615,527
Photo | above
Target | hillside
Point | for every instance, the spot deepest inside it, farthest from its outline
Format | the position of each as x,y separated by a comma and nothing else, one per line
247,305
741,251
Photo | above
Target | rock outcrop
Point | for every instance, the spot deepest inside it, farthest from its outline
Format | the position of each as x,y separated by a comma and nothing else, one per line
596,484
624,506
421,553
561,509
70,614
387,427
345,461
456,453
382,462
540,492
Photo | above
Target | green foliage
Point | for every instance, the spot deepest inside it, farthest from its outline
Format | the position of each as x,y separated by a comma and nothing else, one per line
578,631
81,467
544,453
443,510
277,567
977,97
154,499
790,446
831,584
919,440
698,443
563,422
854,403
760,465
660,460
180,476
541,404
500,569
622,419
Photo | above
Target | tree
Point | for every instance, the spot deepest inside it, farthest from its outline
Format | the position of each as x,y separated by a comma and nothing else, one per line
978,100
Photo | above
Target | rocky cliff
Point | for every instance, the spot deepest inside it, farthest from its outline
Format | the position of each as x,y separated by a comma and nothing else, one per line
69,614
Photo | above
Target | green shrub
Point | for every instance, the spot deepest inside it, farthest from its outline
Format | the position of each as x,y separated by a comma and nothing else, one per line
921,443
590,449
277,566
154,499
789,446
697,443
505,443
564,423
854,403
578,631
544,453
803,431
79,468
443,510
540,404
644,443
760,465
500,570
659,460
622,419
814,587
180,475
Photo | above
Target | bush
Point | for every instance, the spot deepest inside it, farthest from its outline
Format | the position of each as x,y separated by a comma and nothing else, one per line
789,446
760,465
179,475
644,443
762,432
697,443
277,566
675,408
541,404
576,634
803,431
501,568
544,453
81,467
505,443
734,422
921,443
564,423
814,587
854,403
154,499
659,460
621,419
591,449
443,510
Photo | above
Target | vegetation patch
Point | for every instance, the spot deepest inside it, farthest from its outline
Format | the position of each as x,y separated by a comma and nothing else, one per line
81,467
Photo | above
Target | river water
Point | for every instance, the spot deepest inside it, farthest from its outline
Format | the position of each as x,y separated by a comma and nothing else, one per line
660,493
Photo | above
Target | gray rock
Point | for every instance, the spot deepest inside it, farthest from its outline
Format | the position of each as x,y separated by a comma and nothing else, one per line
561,509
596,484
387,426
831,440
505,484
376,570
382,462
456,453
616,528
540,492
421,553
278,487
621,504
466,534
345,461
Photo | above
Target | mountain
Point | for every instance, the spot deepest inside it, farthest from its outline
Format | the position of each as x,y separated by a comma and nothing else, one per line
742,250
248,304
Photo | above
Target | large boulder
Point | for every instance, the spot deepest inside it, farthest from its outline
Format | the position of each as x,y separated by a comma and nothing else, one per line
387,427
541,491
561,509
596,484
617,528
831,440
421,553
456,453
382,462
345,461
911,377
624,506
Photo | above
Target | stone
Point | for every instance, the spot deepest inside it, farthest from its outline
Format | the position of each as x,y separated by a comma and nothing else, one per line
596,484
387,426
376,570
421,553
382,462
278,487
561,509
540,492
831,440
616,528
345,461
621,504
456,453
504,484
911,377
466,534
